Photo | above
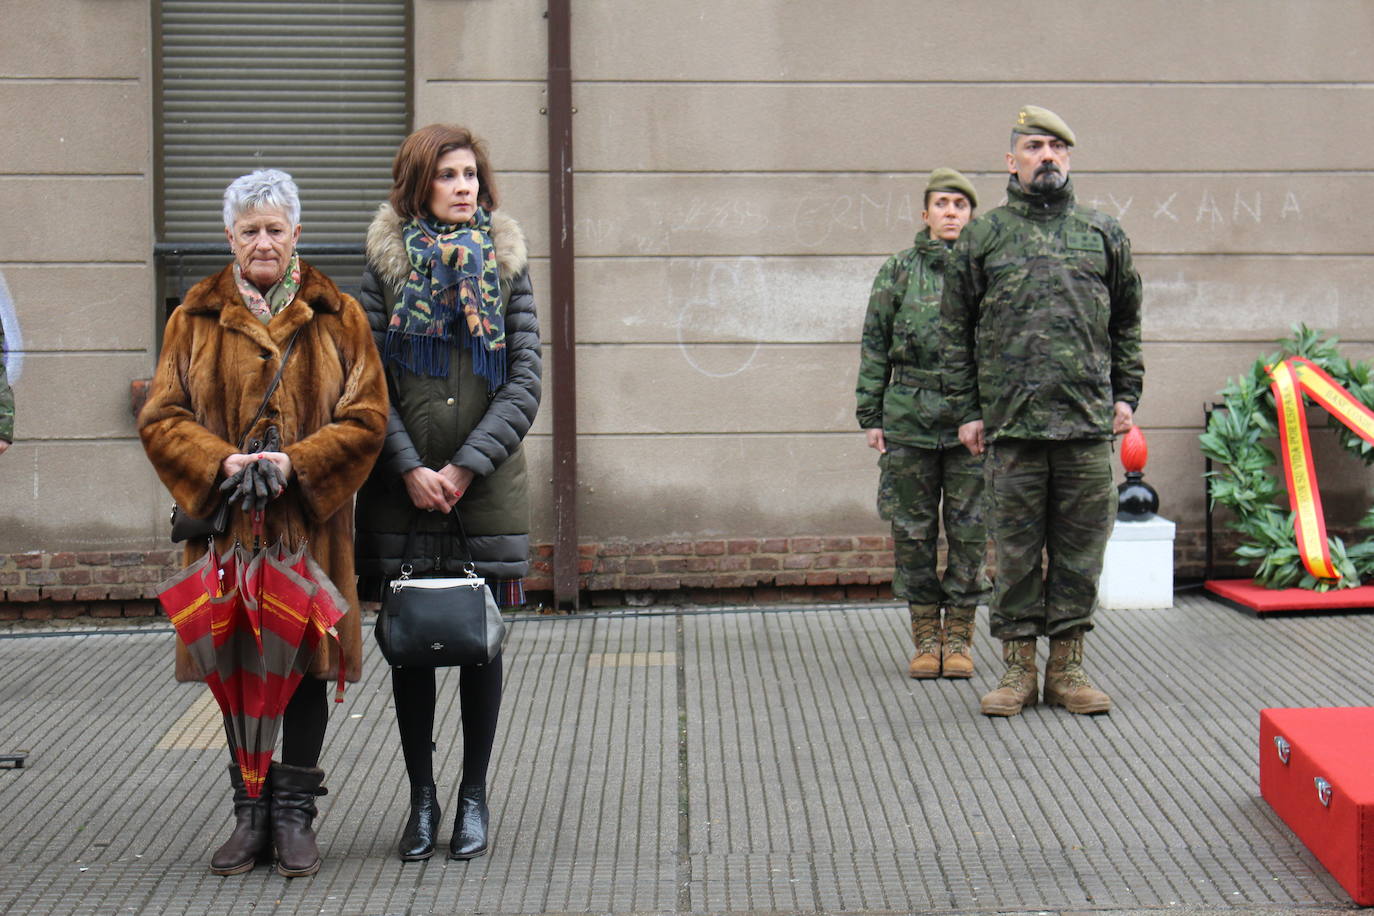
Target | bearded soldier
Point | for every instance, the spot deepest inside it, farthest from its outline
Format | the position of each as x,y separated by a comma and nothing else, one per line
907,418
1041,338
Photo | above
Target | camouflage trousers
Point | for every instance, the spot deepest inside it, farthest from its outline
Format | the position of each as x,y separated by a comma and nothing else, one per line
910,486
1054,498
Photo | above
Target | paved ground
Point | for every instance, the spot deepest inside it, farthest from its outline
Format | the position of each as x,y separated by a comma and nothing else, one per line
729,760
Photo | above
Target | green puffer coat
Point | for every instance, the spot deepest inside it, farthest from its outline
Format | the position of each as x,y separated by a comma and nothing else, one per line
452,420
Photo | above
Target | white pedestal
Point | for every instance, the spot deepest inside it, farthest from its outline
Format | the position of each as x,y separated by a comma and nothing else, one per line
1138,570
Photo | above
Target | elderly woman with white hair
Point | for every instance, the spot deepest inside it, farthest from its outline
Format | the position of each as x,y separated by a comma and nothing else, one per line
266,313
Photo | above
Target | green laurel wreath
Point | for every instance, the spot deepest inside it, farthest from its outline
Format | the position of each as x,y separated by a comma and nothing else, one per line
1235,439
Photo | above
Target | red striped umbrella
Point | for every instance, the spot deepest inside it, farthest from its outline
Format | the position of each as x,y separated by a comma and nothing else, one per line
253,622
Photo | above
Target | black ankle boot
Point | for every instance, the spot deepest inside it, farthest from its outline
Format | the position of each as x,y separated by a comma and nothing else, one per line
470,827
249,844
417,840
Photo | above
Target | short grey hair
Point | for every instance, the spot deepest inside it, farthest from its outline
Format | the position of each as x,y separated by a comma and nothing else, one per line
265,189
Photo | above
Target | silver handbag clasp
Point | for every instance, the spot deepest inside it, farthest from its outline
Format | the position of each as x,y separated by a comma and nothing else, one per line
406,570
1323,791
1283,747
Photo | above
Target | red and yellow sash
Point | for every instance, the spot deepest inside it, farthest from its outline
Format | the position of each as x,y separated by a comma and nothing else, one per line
1291,379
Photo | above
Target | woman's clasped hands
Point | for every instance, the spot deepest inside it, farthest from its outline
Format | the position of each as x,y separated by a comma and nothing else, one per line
437,491
253,480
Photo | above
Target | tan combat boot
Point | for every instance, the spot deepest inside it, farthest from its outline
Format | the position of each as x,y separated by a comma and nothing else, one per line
925,633
1018,688
958,645
1067,684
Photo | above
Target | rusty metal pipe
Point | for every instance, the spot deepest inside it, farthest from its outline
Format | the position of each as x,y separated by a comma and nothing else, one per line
564,330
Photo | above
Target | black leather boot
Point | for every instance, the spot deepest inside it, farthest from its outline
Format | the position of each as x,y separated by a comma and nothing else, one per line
294,790
249,844
417,840
470,827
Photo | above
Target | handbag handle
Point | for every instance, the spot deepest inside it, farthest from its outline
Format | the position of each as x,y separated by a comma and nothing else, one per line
271,388
409,558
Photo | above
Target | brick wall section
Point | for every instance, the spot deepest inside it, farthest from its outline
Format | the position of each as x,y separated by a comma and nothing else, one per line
44,586
785,569
821,568
727,570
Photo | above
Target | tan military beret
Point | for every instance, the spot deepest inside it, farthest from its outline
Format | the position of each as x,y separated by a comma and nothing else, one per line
950,180
1032,119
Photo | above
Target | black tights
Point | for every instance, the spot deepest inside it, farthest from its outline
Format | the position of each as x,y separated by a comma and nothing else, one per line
304,722
479,691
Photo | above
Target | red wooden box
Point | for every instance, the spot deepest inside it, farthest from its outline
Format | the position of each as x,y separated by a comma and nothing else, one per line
1317,771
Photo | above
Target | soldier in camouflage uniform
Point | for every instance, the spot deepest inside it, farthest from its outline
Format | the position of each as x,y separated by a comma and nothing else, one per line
1041,339
902,407
6,399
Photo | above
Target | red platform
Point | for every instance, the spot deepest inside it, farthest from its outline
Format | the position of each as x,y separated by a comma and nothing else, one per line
1245,595
1301,748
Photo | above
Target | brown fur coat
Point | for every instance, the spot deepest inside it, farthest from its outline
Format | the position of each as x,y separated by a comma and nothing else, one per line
330,408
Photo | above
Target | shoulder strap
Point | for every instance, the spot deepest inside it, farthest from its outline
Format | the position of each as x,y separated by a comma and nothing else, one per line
408,555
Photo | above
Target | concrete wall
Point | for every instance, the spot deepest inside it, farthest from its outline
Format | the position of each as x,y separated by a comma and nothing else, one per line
742,171
76,189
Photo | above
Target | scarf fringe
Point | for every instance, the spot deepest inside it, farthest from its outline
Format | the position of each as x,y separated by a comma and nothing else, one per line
488,364
425,354
420,354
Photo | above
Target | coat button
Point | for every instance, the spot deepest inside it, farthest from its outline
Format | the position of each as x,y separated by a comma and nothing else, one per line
450,402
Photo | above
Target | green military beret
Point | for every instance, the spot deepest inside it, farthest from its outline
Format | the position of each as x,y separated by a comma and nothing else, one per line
1032,119
950,180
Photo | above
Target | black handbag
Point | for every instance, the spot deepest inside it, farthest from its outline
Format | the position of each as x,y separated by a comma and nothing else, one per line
439,622
187,527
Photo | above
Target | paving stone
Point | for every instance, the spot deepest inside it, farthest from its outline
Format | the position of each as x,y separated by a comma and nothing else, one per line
704,760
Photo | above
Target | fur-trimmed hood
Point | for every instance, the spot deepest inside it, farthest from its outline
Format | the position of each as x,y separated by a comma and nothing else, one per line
386,248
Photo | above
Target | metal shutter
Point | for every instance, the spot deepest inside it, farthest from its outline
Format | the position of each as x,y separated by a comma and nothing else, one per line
315,87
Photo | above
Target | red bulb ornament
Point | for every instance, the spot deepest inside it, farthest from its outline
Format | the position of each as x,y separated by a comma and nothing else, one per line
1134,451
1136,500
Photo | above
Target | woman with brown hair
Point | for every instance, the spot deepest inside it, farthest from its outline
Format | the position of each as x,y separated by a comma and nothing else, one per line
447,292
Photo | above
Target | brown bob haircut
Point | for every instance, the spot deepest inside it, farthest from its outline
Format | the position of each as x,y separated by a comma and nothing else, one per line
417,161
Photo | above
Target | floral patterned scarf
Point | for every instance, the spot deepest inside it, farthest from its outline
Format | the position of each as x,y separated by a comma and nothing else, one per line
453,274
277,298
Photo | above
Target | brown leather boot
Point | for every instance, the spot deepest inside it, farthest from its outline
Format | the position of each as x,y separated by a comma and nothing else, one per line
1018,688
1067,684
925,633
250,843
294,790
958,642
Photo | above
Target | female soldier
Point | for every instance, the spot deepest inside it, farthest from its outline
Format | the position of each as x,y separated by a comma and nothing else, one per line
901,407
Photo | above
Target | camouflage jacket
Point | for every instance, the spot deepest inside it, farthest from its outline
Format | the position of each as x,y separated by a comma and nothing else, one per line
1040,319
899,387
6,396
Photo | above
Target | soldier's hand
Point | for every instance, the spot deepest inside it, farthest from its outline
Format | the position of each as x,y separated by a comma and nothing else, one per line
876,440
4,444
971,435
1123,418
